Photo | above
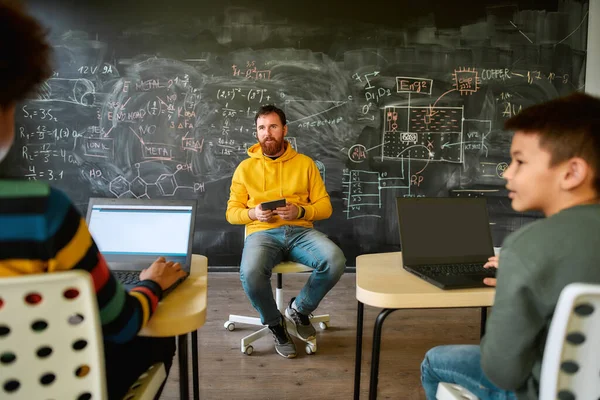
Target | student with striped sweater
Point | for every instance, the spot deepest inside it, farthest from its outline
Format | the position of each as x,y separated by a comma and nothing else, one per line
41,231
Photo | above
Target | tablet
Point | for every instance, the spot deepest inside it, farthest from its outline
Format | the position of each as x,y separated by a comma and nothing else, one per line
272,205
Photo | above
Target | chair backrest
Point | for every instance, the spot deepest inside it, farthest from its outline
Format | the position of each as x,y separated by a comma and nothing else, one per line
50,338
571,361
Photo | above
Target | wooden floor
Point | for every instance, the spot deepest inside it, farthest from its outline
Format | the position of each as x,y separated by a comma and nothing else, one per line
226,373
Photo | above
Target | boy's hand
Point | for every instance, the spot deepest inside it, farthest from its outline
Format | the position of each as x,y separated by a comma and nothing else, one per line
288,213
163,272
491,263
257,213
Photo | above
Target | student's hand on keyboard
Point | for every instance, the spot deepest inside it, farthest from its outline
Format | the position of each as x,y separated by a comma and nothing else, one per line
163,272
491,263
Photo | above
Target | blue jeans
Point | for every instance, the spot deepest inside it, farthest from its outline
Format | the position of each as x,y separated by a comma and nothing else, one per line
459,364
265,249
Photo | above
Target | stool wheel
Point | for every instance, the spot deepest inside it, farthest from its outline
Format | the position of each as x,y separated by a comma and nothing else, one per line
310,349
230,326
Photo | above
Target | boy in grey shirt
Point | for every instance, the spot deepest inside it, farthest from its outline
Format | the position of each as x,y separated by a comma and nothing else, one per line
555,169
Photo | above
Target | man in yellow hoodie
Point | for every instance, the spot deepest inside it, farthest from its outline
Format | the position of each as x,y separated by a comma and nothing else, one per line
276,171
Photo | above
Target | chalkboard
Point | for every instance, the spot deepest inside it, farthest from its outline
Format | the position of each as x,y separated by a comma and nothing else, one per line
157,99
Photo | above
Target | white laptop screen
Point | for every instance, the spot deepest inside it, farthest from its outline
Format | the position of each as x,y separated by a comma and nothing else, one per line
138,234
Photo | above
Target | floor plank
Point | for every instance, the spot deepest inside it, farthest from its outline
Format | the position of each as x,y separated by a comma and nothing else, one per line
407,334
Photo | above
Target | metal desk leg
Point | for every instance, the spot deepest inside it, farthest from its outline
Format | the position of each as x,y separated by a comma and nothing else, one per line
184,390
483,321
375,353
195,377
358,357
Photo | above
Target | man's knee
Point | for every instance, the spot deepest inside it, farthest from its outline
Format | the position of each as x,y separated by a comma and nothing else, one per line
253,275
335,261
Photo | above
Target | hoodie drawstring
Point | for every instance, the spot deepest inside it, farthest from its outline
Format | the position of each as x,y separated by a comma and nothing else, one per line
264,175
281,179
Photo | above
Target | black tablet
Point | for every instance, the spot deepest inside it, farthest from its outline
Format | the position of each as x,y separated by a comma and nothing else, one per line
272,205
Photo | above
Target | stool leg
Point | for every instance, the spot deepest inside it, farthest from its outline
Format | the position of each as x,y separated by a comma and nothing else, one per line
279,294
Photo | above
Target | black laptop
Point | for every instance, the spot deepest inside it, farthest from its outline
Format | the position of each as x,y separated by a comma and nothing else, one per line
132,233
446,241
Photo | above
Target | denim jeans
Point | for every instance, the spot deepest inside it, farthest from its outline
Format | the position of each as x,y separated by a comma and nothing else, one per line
459,364
265,249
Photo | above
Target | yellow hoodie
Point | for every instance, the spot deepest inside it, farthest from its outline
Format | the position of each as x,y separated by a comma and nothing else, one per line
292,176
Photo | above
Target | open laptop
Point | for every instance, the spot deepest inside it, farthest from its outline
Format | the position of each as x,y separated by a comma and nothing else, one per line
446,241
132,233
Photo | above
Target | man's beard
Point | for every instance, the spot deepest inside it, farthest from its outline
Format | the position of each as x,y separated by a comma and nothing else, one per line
272,147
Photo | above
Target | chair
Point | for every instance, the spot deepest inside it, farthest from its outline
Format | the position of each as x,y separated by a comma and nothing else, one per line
51,340
286,267
571,363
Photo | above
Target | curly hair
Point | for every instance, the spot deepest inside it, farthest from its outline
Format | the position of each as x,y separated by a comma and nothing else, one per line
24,54
567,126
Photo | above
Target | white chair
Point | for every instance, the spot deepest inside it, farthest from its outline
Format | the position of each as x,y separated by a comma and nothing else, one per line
286,267
450,391
571,356
51,340
148,384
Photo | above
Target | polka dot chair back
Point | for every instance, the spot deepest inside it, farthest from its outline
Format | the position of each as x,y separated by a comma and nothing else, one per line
50,338
571,364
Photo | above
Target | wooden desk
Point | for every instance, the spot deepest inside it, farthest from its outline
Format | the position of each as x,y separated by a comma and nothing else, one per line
183,312
382,282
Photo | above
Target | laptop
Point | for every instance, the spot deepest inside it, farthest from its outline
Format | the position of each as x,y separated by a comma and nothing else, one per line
132,233
446,241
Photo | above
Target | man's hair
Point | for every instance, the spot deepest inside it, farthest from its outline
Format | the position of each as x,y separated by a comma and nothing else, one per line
24,54
567,126
268,109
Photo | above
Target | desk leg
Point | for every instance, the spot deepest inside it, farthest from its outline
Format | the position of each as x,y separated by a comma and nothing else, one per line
184,390
358,357
483,321
375,353
195,376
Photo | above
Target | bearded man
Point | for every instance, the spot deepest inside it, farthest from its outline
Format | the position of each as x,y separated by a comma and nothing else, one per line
276,171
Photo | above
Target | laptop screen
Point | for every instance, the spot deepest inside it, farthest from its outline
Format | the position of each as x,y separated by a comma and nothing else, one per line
131,234
441,230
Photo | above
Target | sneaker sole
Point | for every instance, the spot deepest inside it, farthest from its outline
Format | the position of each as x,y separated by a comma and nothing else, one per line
286,356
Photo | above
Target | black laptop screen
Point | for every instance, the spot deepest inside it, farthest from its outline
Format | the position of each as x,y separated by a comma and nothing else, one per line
444,230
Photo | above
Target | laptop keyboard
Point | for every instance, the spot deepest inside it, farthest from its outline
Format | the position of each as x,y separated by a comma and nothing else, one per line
127,277
461,269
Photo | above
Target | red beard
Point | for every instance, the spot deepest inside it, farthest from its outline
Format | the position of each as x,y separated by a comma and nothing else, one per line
271,147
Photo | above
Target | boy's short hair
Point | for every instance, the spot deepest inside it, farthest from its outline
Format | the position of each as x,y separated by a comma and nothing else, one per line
568,127
268,109
24,54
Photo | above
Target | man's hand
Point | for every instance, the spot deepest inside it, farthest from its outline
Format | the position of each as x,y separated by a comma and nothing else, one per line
491,263
163,272
288,213
257,213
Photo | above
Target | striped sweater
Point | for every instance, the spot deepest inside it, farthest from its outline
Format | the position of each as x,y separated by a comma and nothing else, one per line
41,231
